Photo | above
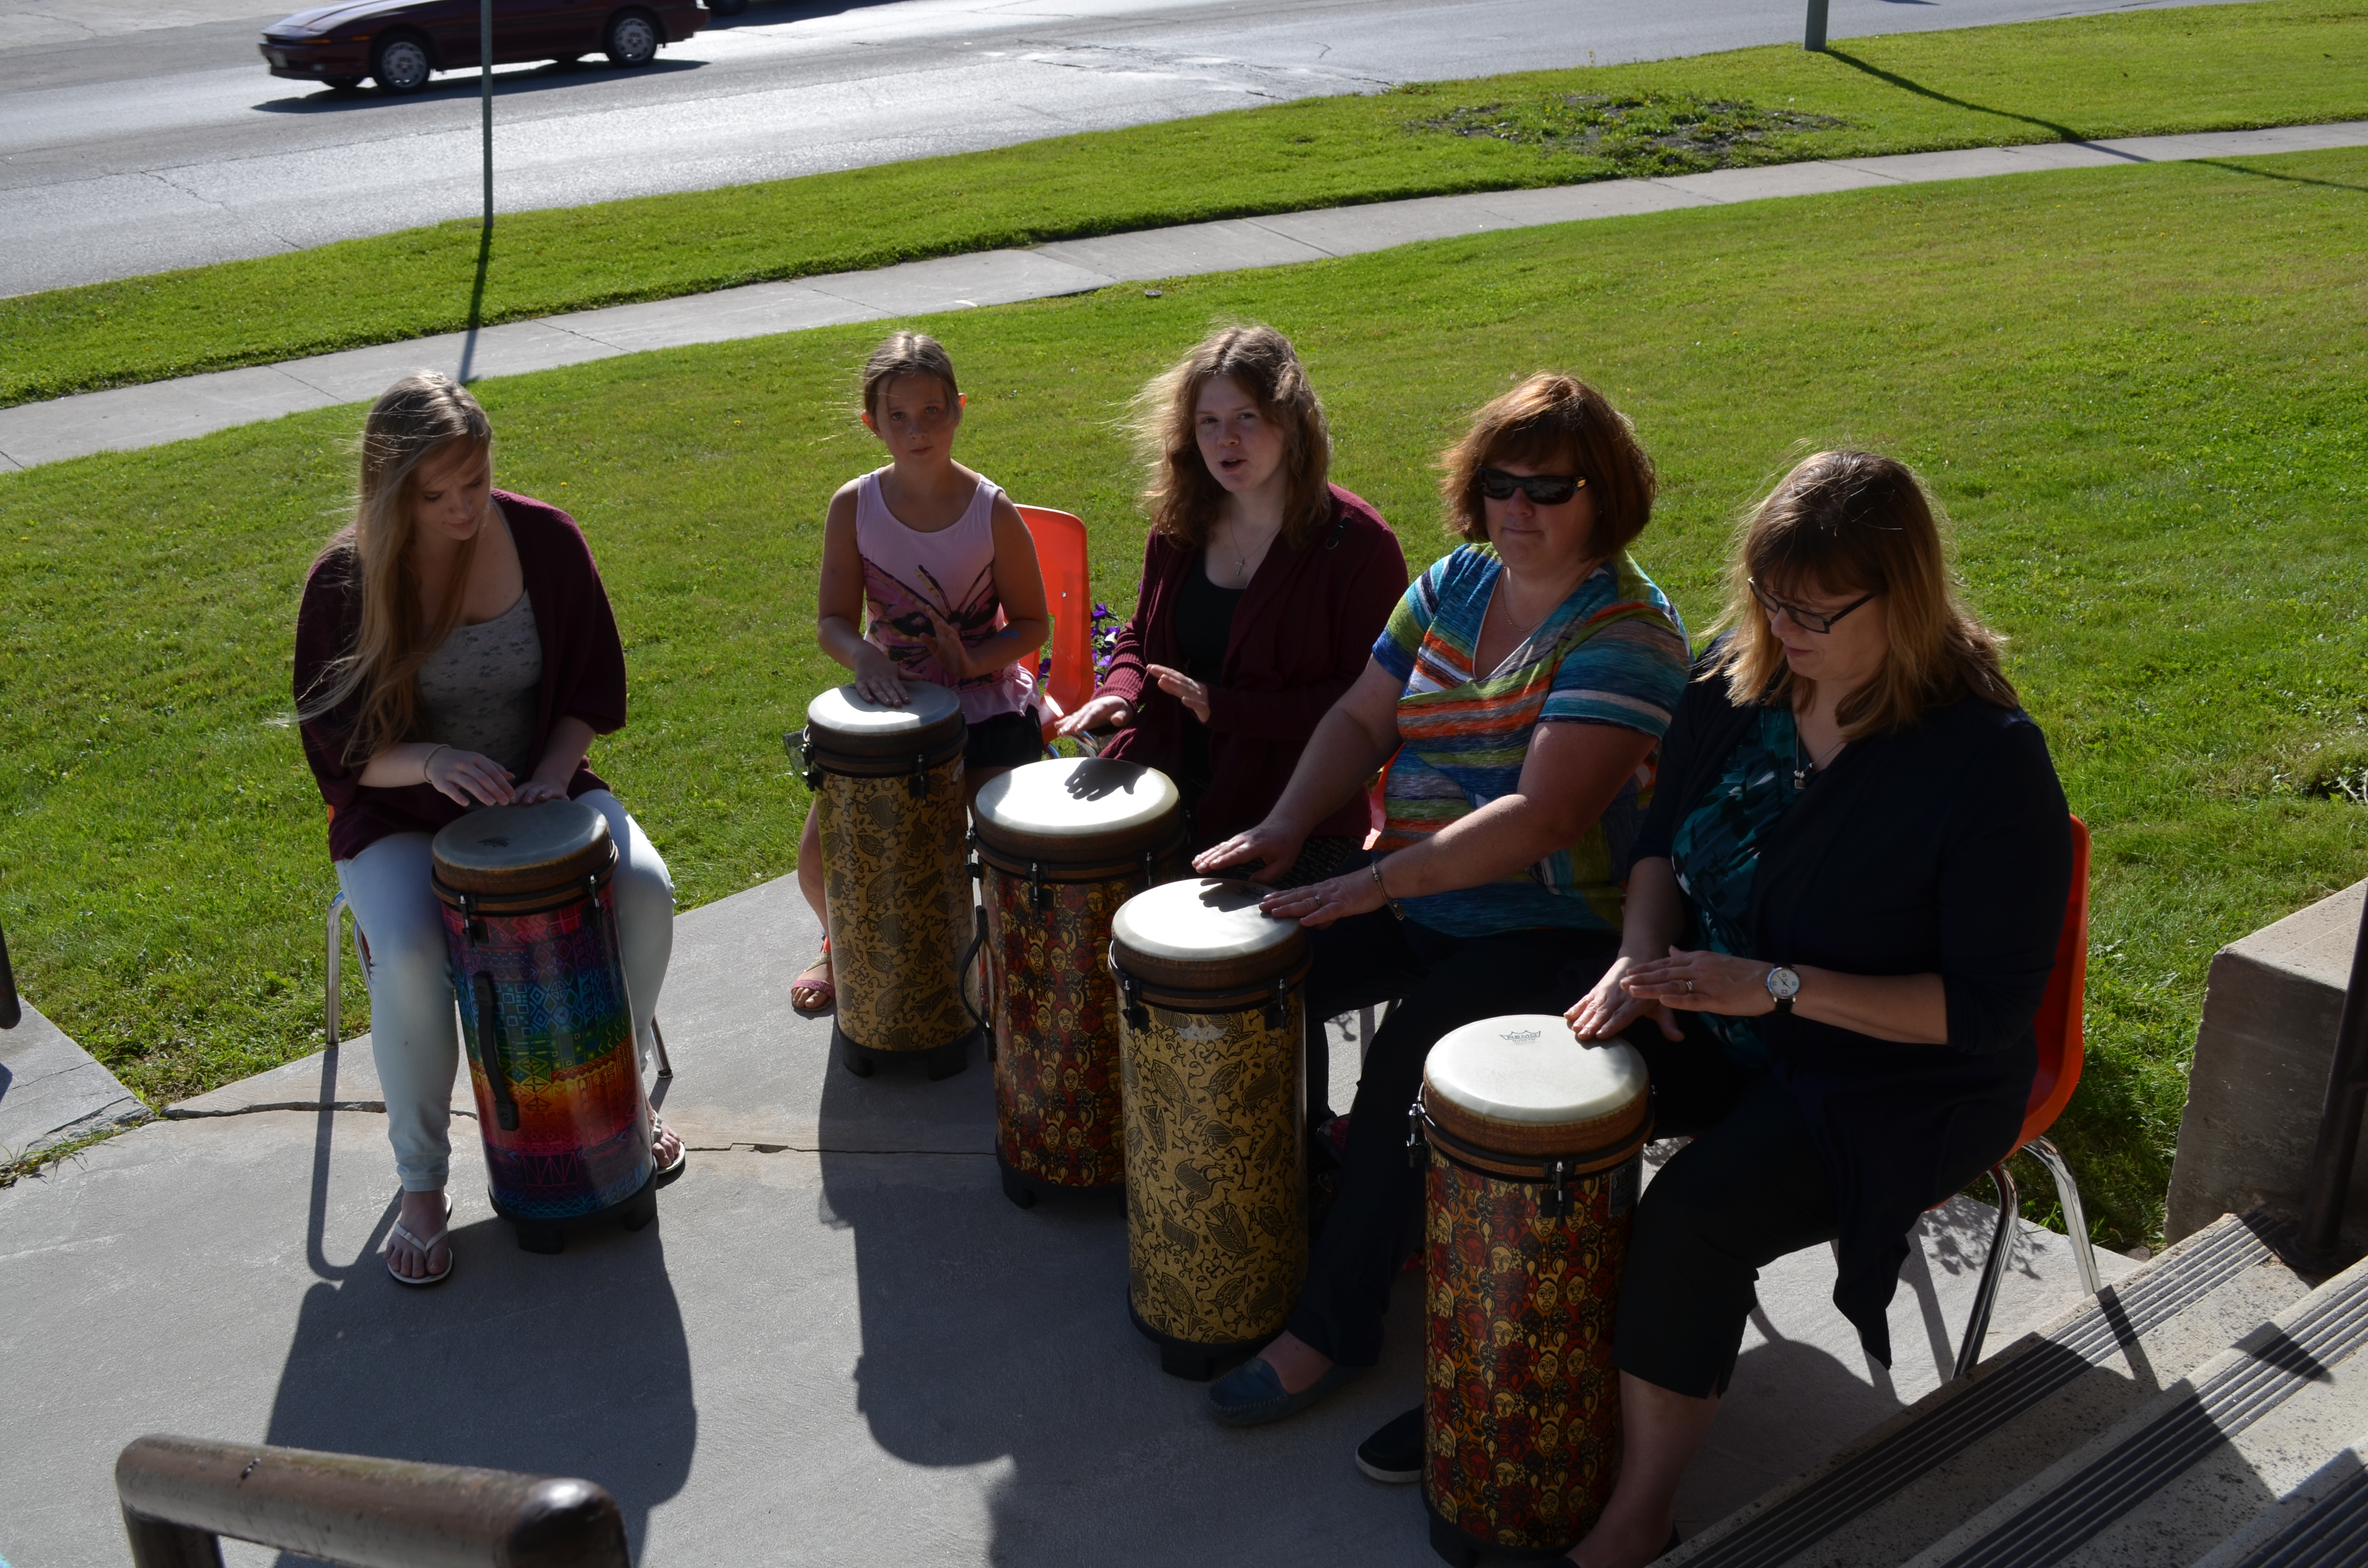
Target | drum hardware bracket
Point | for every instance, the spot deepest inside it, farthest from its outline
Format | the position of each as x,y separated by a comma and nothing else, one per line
919,782
1278,1004
1137,1016
1416,1144
800,745
471,921
1036,886
1557,1203
490,1050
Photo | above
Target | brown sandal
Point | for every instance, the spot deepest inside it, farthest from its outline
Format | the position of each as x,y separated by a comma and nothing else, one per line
821,988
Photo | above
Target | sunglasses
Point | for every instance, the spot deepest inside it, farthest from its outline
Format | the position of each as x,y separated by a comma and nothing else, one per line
1806,619
1543,489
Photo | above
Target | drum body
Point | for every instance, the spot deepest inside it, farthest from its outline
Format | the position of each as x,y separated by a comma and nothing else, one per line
1536,1152
1209,1047
1061,846
887,784
531,919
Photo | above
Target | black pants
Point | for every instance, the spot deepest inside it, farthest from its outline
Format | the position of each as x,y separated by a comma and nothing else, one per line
1439,982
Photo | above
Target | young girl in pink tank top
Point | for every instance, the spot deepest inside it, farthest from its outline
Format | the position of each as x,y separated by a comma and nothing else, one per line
928,575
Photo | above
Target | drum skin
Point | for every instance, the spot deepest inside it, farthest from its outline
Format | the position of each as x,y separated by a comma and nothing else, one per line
1521,1400
582,1142
1058,1116
1217,1192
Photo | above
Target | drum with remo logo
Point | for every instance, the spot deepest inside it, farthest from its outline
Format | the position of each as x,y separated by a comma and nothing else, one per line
1061,846
1536,1155
887,785
1211,1052
530,918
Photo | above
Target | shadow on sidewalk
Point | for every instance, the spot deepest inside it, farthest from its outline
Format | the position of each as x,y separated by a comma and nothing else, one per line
575,1364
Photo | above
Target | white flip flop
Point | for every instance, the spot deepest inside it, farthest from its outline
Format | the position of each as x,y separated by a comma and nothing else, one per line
423,1247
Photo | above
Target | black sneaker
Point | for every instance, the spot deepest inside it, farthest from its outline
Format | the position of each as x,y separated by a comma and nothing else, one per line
1394,1454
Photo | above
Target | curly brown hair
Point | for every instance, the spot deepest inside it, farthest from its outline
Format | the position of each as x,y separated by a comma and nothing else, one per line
1561,424
1180,493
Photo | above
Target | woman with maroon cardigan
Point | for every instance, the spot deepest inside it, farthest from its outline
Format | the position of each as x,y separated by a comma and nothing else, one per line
1263,589
454,650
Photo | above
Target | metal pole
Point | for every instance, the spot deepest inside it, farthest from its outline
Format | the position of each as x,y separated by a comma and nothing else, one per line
2339,1116
485,83
1813,37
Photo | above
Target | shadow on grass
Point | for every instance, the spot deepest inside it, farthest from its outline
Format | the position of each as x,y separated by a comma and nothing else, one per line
2273,174
476,304
1905,84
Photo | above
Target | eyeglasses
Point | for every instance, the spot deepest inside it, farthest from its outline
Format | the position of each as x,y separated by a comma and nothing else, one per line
1806,619
1544,489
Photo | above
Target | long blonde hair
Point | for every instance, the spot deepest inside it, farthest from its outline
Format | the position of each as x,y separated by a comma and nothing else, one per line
412,420
1851,522
1180,493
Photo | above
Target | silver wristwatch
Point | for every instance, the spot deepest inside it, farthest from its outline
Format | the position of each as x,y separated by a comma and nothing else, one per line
1783,985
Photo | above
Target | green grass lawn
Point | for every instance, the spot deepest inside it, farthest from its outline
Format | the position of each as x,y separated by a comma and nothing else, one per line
2270,62
2139,391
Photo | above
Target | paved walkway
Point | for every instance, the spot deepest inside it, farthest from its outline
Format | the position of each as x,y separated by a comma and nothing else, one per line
840,1343
149,415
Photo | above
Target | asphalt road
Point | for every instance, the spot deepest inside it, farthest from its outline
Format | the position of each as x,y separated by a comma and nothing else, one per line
149,136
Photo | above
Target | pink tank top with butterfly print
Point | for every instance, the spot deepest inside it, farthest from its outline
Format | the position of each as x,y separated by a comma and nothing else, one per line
952,572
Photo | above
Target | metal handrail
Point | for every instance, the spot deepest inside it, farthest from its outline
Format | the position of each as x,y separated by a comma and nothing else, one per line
11,1012
181,1495
2339,1118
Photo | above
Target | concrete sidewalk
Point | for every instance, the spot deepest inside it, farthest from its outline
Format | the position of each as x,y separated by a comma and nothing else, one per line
53,1091
840,1343
131,417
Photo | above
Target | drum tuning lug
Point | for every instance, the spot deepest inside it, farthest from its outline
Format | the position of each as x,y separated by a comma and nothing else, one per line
1278,1004
919,782
1558,1197
1415,1141
1138,1017
1036,885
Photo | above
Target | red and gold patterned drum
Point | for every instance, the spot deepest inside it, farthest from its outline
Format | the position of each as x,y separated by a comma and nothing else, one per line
888,783
1216,1141
530,921
1536,1153
1061,846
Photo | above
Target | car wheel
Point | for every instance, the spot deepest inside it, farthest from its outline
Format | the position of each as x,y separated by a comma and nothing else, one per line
342,84
401,64
632,38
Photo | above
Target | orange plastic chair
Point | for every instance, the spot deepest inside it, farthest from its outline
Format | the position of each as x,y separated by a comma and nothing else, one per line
1064,678
2058,1027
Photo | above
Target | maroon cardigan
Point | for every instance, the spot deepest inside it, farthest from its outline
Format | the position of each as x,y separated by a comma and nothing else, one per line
1302,636
583,672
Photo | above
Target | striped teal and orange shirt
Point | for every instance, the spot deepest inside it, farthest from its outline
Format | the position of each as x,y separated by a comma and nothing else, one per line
1615,653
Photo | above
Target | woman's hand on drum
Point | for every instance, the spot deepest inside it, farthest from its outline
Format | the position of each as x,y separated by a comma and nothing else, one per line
1274,845
876,679
1192,693
469,779
1320,904
1605,1011
1104,712
1702,983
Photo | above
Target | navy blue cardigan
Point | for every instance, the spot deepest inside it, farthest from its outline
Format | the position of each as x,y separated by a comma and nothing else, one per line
1943,847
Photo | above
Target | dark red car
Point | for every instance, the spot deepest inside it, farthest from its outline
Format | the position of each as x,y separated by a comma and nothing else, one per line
400,43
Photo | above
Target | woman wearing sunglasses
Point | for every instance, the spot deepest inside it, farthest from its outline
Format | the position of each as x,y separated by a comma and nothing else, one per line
1841,918
1512,707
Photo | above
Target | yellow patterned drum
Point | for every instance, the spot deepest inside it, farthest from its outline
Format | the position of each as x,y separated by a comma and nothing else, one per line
1061,846
1536,1152
1216,1161
888,784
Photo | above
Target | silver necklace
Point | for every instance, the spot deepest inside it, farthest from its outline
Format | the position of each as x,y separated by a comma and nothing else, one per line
1800,774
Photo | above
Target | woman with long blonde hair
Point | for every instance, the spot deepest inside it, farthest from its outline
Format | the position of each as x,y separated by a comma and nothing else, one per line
454,649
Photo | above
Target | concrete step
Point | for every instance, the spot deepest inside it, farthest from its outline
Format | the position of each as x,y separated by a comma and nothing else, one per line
2200,1461
2323,1523
1967,1444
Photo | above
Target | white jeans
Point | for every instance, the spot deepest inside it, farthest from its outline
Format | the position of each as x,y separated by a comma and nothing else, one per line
414,1028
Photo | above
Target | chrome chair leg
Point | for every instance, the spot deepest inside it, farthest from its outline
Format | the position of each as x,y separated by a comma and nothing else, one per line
2076,1219
1977,1326
338,908
657,1037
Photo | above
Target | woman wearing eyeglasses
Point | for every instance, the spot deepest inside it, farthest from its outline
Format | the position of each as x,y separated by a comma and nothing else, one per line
1512,707
1842,916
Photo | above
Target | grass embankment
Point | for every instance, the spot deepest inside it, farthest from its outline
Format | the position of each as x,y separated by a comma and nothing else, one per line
2139,391
2273,62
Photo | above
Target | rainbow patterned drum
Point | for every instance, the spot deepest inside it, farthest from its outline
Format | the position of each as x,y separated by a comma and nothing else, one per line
1216,1118
1536,1153
1061,846
531,921
888,784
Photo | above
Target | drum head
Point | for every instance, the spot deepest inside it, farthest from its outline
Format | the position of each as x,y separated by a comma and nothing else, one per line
1522,1085
1204,934
516,850
843,721
1078,809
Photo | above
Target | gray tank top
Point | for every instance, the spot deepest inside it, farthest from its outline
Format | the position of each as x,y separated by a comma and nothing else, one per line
479,690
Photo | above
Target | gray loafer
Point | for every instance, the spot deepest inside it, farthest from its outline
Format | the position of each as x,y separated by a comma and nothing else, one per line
1251,1395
